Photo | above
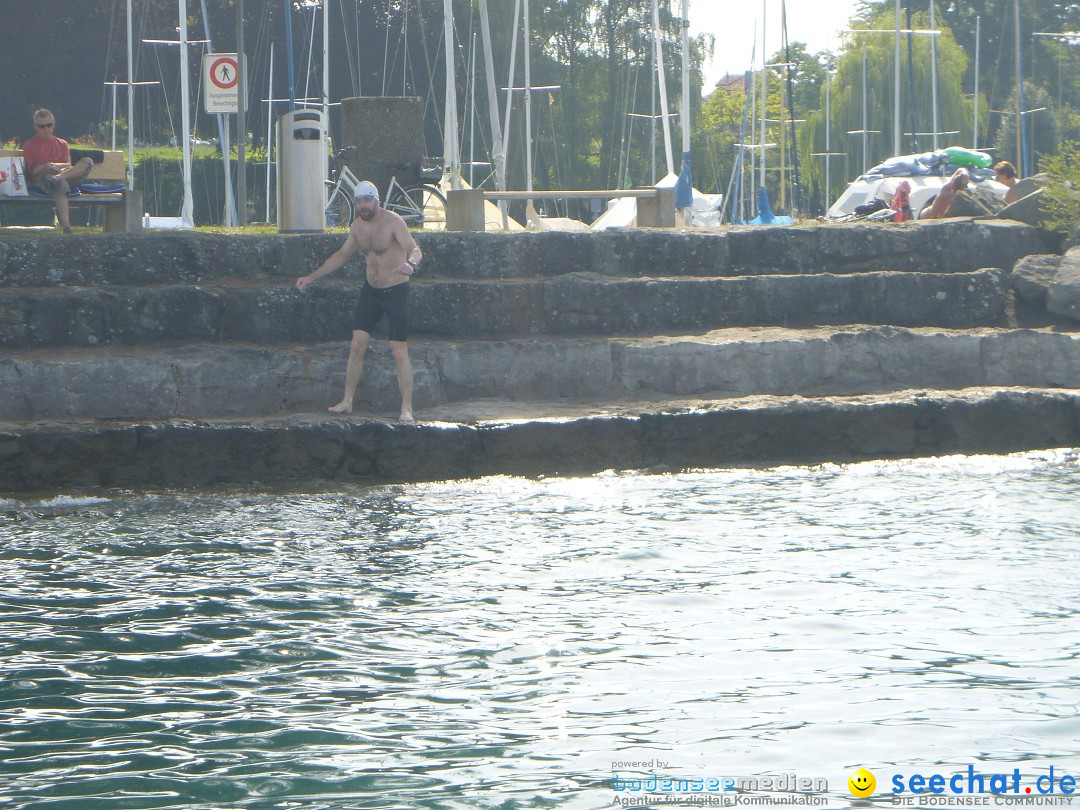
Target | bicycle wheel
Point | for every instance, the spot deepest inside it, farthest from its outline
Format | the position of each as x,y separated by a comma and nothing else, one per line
339,208
420,206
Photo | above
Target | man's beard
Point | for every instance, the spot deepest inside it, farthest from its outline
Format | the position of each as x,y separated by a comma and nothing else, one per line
367,215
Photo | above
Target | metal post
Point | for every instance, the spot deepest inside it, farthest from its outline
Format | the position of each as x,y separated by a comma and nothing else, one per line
451,152
114,113
896,89
131,102
497,147
472,115
933,77
269,131
528,101
241,119
865,165
1019,94
187,214
326,81
975,122
661,78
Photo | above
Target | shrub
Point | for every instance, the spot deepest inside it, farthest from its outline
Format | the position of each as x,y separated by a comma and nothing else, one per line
1063,188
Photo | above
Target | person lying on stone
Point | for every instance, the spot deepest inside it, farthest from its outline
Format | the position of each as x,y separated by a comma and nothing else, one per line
958,182
48,165
392,256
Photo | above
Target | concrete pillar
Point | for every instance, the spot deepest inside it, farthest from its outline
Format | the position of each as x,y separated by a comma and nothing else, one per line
658,211
465,209
127,217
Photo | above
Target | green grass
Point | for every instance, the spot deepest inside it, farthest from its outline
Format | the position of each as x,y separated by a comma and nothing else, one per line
257,229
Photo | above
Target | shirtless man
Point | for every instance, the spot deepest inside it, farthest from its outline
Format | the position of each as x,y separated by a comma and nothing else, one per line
392,256
1005,173
958,182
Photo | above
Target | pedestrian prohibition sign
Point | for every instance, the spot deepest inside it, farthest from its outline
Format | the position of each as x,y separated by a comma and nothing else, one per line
220,76
223,72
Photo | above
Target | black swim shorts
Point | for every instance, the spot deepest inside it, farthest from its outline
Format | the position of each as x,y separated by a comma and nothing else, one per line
391,301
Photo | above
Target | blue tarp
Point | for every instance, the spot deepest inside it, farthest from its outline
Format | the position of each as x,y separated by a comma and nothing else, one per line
927,163
765,215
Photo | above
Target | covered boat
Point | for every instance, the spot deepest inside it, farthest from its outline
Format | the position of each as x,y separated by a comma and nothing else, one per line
926,173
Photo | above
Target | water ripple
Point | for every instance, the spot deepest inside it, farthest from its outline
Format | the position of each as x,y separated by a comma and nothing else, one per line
498,643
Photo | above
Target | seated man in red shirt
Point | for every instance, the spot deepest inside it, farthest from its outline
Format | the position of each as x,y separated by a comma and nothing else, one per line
48,165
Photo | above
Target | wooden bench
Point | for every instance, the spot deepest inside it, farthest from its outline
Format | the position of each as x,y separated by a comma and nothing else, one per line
122,210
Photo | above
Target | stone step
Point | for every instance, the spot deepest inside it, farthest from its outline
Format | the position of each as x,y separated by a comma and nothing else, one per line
576,304
478,439
955,245
226,380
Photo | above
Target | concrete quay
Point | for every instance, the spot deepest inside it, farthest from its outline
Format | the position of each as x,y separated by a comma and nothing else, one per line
541,438
188,359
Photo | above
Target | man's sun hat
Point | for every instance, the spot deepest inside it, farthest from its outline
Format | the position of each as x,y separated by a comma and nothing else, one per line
365,188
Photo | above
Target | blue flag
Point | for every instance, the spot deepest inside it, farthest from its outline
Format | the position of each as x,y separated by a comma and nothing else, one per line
684,188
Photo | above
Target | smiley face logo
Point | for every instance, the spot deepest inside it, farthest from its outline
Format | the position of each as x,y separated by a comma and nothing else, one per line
861,783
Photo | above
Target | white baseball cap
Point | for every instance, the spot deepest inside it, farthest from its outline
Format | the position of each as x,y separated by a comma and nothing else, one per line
365,188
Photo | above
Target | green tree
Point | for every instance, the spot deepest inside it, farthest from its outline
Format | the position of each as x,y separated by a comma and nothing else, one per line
847,111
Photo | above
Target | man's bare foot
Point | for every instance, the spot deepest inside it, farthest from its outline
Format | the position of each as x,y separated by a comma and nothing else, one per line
342,407
407,417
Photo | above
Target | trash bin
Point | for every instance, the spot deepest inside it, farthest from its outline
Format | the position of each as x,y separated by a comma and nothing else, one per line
301,167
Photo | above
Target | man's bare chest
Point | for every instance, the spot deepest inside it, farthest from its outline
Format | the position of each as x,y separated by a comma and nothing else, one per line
375,241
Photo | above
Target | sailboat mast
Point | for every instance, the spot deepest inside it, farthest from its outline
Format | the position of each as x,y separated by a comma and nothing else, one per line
241,118
975,116
764,92
865,165
652,111
130,102
686,79
528,99
828,133
1019,94
660,73
269,129
450,124
470,108
325,68
933,76
896,88
684,190
497,148
187,209
509,94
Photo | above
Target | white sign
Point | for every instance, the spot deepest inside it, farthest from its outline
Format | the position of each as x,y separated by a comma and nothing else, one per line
220,74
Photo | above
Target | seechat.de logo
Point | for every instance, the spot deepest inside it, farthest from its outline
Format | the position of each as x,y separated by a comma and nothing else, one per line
861,783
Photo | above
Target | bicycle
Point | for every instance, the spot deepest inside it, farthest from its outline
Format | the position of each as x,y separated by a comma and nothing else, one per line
420,205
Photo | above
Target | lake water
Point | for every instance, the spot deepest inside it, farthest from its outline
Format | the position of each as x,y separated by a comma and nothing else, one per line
513,643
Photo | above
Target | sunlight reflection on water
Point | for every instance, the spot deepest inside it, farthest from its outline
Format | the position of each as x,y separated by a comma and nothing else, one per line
503,641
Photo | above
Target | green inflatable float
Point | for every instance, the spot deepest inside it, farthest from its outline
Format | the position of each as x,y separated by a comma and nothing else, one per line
959,156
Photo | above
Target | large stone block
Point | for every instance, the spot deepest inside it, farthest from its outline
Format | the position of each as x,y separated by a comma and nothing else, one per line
753,431
1032,276
1063,294
569,304
189,257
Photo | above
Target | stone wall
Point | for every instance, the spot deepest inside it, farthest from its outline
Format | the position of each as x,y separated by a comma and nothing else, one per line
190,359
941,246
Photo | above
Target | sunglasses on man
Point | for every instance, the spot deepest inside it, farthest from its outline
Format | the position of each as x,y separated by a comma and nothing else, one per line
45,126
